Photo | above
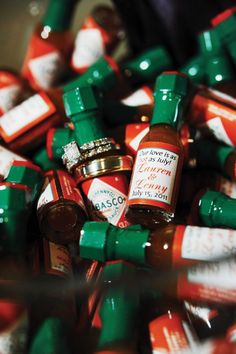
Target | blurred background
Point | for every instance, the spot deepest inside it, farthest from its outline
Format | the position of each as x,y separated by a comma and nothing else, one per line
174,23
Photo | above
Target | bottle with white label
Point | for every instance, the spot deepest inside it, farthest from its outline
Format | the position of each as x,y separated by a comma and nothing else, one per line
95,159
50,46
60,208
157,170
213,209
99,35
170,331
165,247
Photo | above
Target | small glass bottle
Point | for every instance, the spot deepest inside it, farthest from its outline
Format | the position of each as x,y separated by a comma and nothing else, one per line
165,247
118,310
169,329
99,35
224,24
217,64
158,165
95,159
213,209
210,154
60,208
50,46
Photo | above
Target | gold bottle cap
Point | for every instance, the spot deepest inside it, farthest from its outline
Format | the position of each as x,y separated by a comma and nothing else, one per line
105,165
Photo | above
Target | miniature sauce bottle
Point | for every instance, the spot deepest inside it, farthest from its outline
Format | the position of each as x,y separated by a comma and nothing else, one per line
118,311
158,165
213,209
50,47
60,208
95,159
165,247
169,330
99,35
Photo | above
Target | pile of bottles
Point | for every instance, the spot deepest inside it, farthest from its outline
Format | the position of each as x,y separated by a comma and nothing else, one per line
118,193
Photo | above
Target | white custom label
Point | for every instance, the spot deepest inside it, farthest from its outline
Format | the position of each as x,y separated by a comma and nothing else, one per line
227,187
47,69
8,97
23,114
218,275
136,141
6,159
89,47
138,98
108,203
46,196
154,175
207,244
14,339
218,130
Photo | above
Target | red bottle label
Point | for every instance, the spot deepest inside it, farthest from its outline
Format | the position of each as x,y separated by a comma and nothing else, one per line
69,189
134,133
156,175
170,333
57,259
193,244
216,117
25,116
44,64
90,45
106,197
213,282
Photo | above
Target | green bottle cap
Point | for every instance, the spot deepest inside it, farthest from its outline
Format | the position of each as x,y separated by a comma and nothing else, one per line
170,89
217,64
211,154
118,310
41,159
103,241
26,173
117,113
56,139
103,74
145,67
194,68
14,218
217,209
50,338
82,107
58,14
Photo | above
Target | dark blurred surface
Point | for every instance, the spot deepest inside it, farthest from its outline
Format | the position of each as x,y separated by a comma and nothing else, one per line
174,23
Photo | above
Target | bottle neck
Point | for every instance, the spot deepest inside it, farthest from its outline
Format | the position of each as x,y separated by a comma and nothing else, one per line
220,210
88,127
127,244
58,14
167,109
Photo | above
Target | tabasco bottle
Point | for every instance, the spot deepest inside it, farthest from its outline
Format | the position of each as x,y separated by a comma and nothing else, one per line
50,46
218,67
169,329
165,247
60,208
158,165
95,159
118,311
100,33
224,24
207,153
213,209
